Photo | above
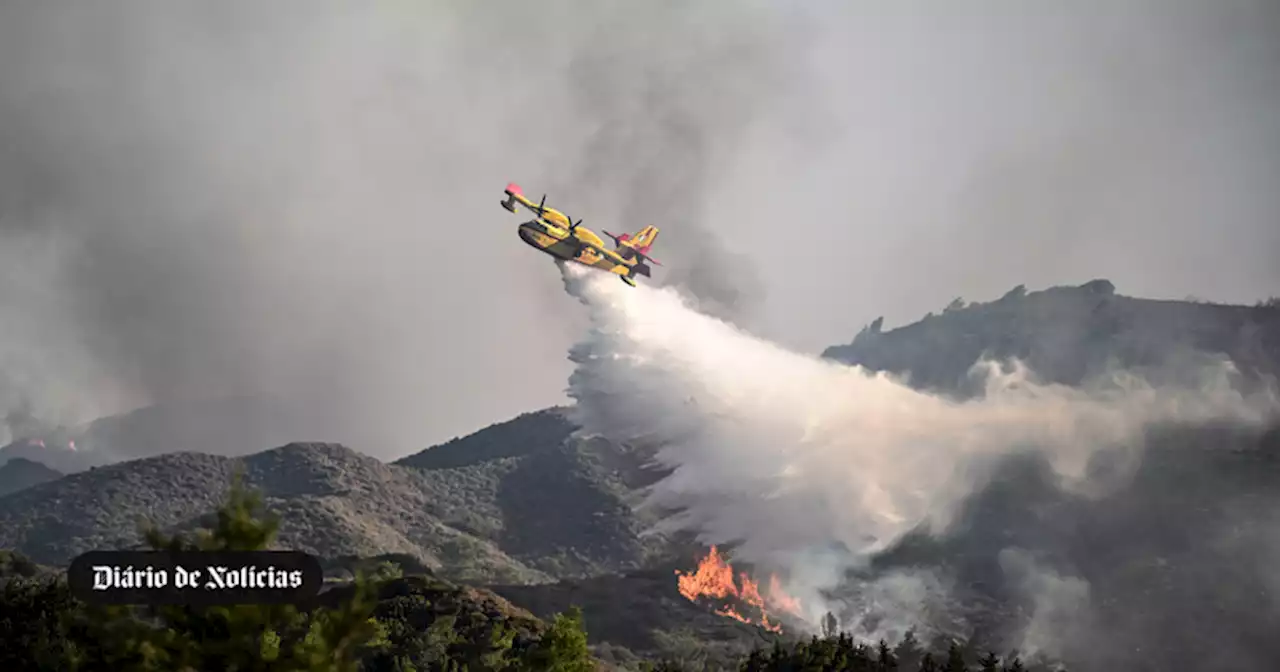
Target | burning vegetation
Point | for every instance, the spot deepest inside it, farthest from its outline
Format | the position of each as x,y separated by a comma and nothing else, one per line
714,583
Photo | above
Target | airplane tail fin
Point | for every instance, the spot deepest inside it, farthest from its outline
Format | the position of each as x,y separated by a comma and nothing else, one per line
641,243
644,238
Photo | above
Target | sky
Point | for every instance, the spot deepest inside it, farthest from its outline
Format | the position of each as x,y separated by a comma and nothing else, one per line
300,199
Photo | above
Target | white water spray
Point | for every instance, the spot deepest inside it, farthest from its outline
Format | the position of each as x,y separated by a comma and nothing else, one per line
787,453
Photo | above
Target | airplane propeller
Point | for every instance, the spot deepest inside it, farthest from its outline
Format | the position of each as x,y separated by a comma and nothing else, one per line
542,203
578,246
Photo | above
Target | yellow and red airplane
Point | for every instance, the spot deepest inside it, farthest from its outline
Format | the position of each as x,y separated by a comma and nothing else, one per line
558,235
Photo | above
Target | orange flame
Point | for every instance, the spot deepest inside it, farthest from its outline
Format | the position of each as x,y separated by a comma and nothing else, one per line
780,599
714,580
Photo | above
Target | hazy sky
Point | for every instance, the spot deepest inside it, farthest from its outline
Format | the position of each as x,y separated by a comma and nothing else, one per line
301,198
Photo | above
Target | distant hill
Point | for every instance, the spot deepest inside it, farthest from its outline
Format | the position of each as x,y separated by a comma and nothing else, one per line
20,473
546,511
333,501
233,426
1066,334
55,455
526,434
543,516
551,490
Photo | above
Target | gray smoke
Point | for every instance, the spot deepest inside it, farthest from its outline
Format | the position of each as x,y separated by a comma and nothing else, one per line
296,202
823,471
669,105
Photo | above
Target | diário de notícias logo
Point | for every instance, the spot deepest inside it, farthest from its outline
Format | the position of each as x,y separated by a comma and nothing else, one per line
195,577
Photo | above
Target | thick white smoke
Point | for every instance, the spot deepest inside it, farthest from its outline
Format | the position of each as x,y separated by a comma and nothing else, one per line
793,456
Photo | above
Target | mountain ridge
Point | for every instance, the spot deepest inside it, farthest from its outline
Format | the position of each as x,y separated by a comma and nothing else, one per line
542,515
20,473
1068,334
517,518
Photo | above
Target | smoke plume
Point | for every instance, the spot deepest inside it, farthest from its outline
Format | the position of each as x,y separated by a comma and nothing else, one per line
297,202
816,468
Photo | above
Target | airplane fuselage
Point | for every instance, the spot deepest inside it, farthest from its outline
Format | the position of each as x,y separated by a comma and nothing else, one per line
556,234
562,244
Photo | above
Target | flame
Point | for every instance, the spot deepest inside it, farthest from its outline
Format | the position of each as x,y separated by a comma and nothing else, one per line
713,579
728,611
781,600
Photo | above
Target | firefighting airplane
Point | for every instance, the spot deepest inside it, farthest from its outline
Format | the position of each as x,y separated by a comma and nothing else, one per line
558,235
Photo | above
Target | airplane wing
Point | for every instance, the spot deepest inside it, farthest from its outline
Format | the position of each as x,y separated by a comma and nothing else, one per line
515,196
600,251
556,217
644,257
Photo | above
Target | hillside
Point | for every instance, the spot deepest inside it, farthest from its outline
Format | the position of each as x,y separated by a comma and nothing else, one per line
418,610
401,623
538,512
1066,334
332,500
526,434
543,516
563,501
642,613
20,473
52,453
1184,531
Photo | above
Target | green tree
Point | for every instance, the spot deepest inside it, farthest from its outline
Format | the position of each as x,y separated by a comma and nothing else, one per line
830,627
955,659
386,570
908,651
990,662
563,648
928,664
14,564
885,660
244,637
32,611
755,662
